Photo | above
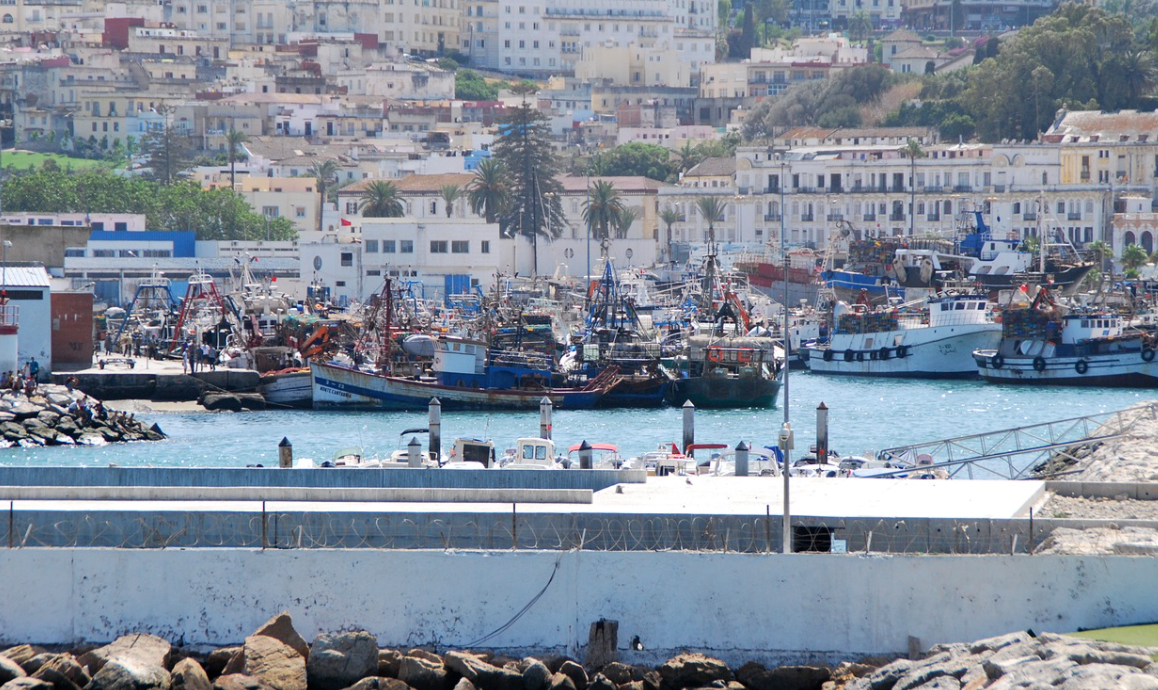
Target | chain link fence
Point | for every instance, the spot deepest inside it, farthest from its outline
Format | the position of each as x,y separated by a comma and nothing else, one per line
512,530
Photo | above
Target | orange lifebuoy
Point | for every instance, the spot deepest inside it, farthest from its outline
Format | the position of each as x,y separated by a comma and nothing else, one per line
715,354
743,355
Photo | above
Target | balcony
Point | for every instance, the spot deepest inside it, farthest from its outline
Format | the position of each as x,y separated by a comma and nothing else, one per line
773,217
999,188
807,218
770,189
933,217
963,188
1029,215
833,217
896,216
1073,216
899,188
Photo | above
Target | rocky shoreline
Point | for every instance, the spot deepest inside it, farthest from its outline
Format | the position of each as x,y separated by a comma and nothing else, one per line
55,415
276,657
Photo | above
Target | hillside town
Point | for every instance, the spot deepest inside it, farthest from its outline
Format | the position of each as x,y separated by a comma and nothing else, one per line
307,111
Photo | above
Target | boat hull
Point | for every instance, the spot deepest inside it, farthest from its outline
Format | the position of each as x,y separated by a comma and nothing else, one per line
934,352
1117,370
721,392
338,387
287,389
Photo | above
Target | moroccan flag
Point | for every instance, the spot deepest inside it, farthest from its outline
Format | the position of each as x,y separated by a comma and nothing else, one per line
346,222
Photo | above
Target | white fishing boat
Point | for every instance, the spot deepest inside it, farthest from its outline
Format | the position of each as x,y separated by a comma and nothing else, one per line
933,342
1046,345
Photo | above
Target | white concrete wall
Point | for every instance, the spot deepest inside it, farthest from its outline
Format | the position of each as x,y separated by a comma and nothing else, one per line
736,607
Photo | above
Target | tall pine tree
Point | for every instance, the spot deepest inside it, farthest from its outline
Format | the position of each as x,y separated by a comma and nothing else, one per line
525,149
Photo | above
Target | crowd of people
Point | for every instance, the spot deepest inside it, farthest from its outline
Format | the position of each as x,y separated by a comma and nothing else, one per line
23,379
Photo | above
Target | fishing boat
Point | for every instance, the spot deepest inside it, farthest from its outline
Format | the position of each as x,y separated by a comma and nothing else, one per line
934,341
1046,344
342,387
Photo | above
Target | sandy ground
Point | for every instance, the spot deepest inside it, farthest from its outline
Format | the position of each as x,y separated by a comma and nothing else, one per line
156,406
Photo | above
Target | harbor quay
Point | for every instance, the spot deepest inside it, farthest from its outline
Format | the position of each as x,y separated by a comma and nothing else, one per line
529,561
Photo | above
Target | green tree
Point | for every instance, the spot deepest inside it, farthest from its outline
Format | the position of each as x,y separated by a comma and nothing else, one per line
635,158
624,220
687,157
602,208
669,217
166,152
470,86
381,199
711,209
1134,257
860,26
488,193
526,150
233,140
450,193
1138,74
748,32
325,172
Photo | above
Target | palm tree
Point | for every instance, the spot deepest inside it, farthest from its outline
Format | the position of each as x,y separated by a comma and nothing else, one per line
450,193
624,220
912,151
687,156
234,139
1101,250
602,207
1138,74
711,210
669,217
488,192
860,25
324,172
380,199
1133,257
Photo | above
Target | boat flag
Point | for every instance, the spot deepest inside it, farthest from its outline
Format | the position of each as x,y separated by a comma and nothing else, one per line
346,222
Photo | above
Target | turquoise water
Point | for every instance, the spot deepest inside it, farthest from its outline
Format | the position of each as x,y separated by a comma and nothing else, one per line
864,415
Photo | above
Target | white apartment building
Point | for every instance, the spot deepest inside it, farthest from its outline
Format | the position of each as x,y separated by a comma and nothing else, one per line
548,36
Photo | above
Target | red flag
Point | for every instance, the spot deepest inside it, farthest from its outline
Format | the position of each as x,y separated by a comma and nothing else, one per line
346,222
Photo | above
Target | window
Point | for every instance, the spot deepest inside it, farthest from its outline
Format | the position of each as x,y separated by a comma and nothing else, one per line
269,211
406,246
433,207
485,246
388,247
460,246
371,246
300,211
347,258
437,246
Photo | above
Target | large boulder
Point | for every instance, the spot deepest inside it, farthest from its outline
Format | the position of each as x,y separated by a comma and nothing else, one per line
281,627
218,659
389,661
379,683
239,681
423,674
693,671
63,671
21,653
10,670
221,402
575,672
189,675
274,663
561,681
536,675
149,648
339,661
27,683
130,672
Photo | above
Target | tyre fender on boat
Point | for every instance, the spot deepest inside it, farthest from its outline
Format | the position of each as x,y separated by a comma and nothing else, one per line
1081,366
1147,354
902,351
828,355
997,361
848,355
1039,364
860,356
883,353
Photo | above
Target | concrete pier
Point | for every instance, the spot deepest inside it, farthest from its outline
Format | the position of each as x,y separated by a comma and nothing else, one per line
159,380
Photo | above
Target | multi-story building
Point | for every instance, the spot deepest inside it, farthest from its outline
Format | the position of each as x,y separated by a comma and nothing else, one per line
972,15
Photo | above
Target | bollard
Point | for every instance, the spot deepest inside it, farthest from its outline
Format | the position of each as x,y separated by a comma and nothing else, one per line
434,423
585,455
689,424
545,408
741,459
285,454
822,433
414,450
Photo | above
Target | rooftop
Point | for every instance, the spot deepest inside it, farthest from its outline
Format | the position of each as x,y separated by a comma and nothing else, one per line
23,274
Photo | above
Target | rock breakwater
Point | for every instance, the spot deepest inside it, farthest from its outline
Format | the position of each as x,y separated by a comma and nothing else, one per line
56,415
277,657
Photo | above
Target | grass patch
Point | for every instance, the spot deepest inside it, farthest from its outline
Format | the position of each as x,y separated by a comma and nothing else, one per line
20,160
1140,635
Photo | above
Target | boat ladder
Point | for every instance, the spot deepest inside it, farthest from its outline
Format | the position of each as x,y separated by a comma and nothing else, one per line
1035,451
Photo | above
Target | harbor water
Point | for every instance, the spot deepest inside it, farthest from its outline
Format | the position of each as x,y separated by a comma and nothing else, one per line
865,415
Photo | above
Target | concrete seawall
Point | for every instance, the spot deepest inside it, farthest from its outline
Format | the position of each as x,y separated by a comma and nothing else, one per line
739,607
161,385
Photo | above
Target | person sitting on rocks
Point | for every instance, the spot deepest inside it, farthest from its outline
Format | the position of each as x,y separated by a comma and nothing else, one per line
6,381
100,412
29,386
71,383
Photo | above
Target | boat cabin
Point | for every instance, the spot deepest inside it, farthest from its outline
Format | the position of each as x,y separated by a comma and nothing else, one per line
533,454
958,310
1080,328
472,452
